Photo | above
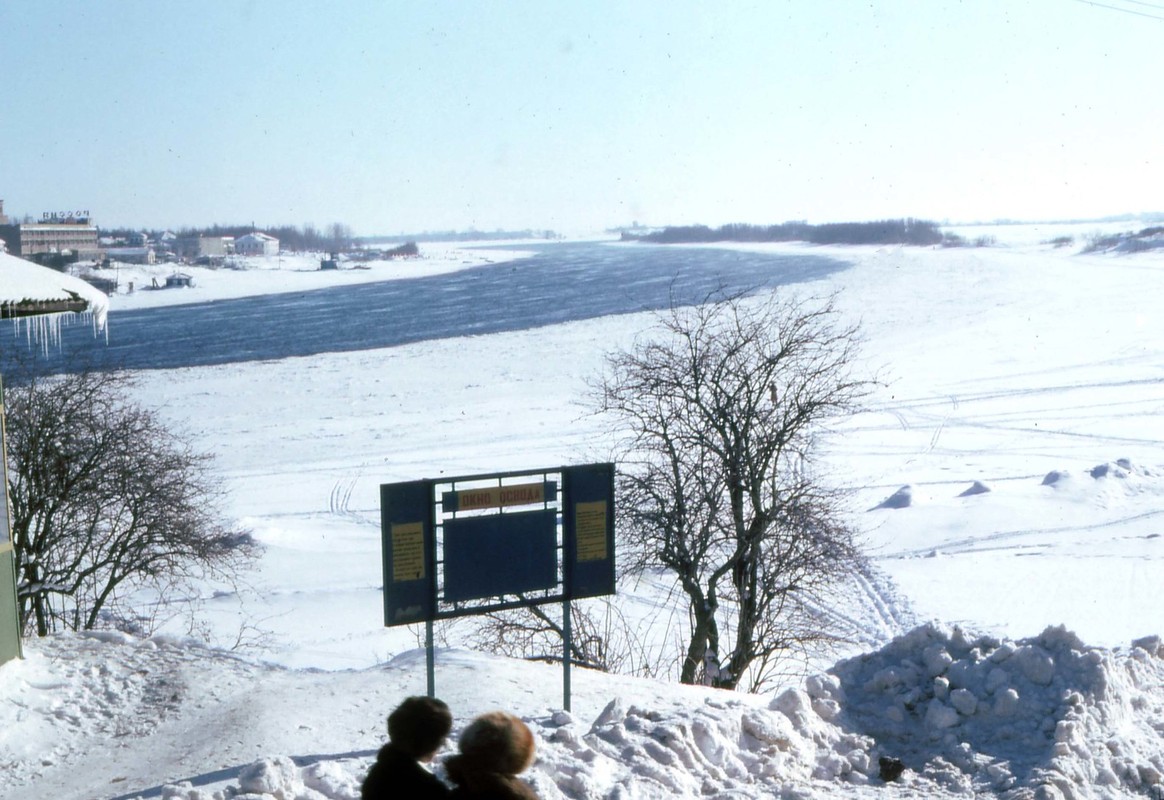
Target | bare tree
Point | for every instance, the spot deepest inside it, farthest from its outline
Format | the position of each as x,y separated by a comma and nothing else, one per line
721,414
601,637
106,500
339,237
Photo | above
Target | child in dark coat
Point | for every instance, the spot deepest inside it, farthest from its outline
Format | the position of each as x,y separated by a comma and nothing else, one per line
495,747
416,730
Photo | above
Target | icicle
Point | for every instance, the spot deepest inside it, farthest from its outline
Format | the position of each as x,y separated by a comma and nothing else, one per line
45,329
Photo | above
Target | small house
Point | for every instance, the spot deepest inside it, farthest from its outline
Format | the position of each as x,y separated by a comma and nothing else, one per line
179,280
256,244
107,285
131,255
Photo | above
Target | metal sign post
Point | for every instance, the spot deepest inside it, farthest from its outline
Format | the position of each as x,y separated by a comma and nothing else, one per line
429,659
567,644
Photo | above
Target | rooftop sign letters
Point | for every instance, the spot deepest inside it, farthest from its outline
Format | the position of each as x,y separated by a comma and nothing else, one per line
65,217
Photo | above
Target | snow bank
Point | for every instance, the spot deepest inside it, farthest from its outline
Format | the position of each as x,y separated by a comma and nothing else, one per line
902,498
1046,717
984,715
1042,717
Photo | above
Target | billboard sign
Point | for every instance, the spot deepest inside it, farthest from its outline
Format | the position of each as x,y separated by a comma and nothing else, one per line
478,543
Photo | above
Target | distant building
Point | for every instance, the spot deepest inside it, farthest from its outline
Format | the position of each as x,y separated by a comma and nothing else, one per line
107,285
3,219
165,243
179,280
256,244
192,247
57,236
131,255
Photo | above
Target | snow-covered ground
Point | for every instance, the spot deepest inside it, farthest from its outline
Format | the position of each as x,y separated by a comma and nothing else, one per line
997,655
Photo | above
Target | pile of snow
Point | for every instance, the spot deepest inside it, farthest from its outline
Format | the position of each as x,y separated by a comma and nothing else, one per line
902,498
1114,477
958,714
978,487
986,715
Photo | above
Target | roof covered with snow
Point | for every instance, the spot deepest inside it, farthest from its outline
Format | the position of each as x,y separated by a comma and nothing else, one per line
29,289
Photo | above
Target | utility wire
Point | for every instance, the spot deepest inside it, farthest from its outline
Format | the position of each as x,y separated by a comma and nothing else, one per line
1142,3
1125,10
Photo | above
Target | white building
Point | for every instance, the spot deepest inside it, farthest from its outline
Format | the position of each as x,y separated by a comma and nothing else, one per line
256,244
131,255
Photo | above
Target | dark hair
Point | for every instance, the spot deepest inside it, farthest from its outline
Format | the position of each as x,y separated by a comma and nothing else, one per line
419,725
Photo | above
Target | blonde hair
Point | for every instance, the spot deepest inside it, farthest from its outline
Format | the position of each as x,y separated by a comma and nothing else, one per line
499,742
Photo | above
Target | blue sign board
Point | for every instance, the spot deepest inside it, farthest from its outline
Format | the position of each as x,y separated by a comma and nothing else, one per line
408,552
500,554
479,543
589,530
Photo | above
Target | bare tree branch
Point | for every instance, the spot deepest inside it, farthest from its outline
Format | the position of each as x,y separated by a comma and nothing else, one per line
106,501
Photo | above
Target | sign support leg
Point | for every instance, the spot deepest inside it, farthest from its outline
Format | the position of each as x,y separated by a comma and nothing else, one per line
429,658
567,636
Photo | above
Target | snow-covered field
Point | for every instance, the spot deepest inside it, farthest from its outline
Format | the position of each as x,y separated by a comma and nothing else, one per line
997,655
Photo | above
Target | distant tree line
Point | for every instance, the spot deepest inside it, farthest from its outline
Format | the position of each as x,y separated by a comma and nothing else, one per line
460,236
888,231
1146,239
406,250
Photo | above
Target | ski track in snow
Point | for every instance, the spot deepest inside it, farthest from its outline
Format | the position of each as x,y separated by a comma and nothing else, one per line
995,541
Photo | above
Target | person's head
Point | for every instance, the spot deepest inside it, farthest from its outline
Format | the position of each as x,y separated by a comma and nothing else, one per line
419,725
498,742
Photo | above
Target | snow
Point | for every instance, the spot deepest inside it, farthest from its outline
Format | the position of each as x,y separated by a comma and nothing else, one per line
23,281
114,716
1010,636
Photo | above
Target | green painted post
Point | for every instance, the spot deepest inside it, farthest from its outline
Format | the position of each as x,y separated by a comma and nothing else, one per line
9,610
9,615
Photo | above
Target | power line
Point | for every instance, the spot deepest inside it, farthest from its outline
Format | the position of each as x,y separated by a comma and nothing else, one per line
1126,10
1142,3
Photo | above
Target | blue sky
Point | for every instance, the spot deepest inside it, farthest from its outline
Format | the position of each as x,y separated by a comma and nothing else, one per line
404,117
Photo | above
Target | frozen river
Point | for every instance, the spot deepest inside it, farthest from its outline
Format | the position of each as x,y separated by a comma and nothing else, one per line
559,283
